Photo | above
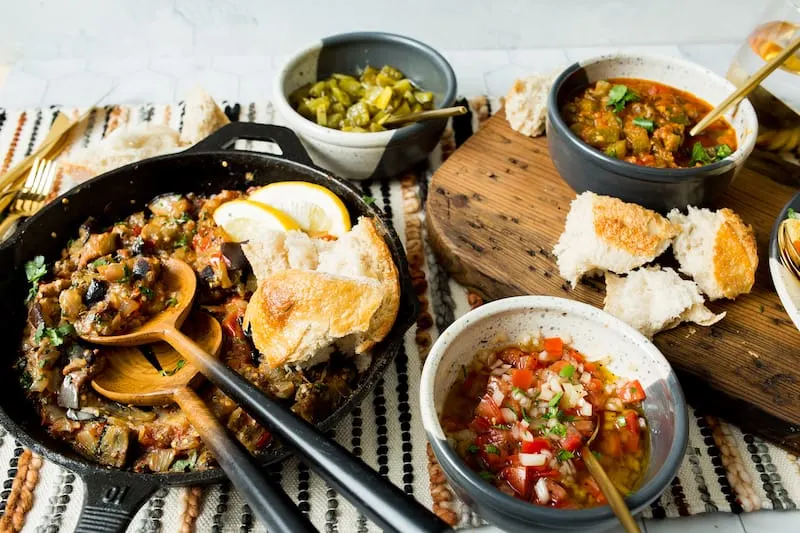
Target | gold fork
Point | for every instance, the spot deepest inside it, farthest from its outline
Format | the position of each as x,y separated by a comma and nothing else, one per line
33,194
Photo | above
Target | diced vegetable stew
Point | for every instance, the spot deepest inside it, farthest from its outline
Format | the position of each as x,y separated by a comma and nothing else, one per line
647,123
520,415
362,104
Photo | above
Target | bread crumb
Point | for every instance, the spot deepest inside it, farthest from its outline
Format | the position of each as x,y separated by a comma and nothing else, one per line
526,104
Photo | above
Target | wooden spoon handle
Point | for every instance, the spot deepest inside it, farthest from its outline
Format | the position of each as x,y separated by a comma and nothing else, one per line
611,493
380,500
265,497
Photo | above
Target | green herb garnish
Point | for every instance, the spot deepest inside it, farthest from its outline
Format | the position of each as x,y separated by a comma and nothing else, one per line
99,262
473,449
723,151
618,96
369,200
126,275
611,152
491,448
791,213
182,464
559,429
564,455
56,335
486,475
556,399
517,390
501,426
171,301
180,364
182,219
26,380
35,270
621,422
644,123
525,417
706,156
147,293
598,455
181,241
567,372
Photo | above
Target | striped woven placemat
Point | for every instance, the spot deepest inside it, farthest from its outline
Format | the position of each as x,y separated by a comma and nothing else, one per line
724,469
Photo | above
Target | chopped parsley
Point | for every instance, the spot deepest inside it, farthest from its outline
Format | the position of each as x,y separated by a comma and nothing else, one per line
369,200
147,292
99,262
553,412
182,464
559,429
180,364
517,390
618,96
621,422
171,301
56,335
525,417
126,277
567,372
26,380
791,213
183,218
35,270
644,123
564,455
181,241
556,399
491,448
703,155
611,151
473,449
486,475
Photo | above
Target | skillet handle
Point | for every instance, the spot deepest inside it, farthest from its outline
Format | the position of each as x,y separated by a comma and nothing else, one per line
385,504
225,137
109,507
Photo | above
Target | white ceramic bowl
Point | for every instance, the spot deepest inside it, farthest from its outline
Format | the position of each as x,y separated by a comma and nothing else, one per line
594,333
367,155
786,284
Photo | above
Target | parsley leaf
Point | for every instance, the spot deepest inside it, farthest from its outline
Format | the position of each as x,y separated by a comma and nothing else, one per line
621,422
709,155
126,277
35,270
180,364
369,200
56,335
644,123
181,241
182,464
491,448
99,262
146,292
564,455
559,429
501,426
556,399
791,213
473,449
567,372
37,336
598,455
723,151
171,301
486,475
517,390
618,96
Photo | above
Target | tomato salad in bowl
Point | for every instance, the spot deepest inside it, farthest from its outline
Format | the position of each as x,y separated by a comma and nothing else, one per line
520,414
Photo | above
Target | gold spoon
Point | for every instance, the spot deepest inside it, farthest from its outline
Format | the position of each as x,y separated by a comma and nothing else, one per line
445,112
752,82
129,378
380,500
615,499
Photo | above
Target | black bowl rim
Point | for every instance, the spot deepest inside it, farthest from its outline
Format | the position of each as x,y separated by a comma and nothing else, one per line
400,40
623,168
488,496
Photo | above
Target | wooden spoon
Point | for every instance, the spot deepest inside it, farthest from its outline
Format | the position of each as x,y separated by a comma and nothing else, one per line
445,112
381,501
615,499
130,378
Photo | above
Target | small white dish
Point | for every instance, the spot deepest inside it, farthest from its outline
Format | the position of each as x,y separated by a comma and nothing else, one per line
786,284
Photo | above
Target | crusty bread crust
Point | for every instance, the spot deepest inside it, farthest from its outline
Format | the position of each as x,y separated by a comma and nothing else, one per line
631,227
735,255
296,313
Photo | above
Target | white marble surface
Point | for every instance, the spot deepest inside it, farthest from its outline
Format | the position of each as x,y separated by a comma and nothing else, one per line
246,77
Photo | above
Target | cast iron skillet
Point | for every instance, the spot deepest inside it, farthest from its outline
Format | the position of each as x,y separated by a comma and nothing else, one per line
113,496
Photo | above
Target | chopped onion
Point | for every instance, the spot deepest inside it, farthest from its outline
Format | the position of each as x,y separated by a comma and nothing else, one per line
527,436
614,404
515,431
585,409
585,378
68,395
543,355
542,492
509,415
532,459
498,397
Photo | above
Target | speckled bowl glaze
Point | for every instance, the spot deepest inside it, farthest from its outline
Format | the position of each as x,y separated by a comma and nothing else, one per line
367,155
594,333
786,284
588,169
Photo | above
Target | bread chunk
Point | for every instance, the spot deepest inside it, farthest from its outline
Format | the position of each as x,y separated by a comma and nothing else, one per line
606,234
653,299
717,249
526,104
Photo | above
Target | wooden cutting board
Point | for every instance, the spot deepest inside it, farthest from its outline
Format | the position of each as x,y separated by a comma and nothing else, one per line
497,206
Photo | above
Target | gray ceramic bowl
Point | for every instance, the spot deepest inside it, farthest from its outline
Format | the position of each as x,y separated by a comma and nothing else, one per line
594,333
367,155
588,169
786,284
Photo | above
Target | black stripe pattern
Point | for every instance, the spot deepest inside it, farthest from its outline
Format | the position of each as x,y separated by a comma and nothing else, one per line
10,474
58,503
218,520
768,474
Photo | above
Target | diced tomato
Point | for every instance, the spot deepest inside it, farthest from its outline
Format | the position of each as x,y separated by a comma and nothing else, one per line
480,425
531,362
558,494
538,444
492,453
630,435
511,355
522,378
201,241
231,324
517,478
554,345
137,230
608,443
535,472
573,440
488,409
631,392
577,356
589,367
594,385
593,488
559,365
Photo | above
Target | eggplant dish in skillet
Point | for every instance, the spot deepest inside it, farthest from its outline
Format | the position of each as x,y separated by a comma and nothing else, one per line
107,282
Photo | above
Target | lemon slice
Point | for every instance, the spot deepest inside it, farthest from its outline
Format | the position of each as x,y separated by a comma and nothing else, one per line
315,208
243,219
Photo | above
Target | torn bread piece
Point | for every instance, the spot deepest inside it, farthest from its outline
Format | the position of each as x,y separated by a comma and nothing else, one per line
717,249
270,252
296,317
362,252
653,299
606,234
526,104
202,117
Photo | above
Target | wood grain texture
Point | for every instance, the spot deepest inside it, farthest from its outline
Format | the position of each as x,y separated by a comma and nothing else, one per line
497,206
